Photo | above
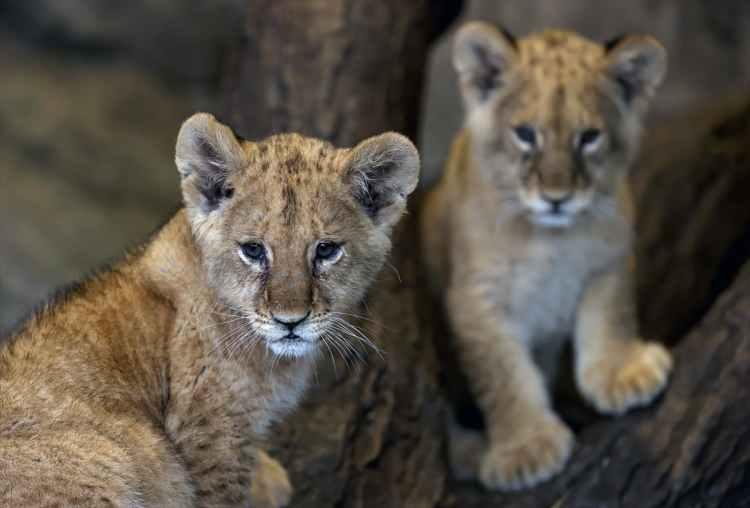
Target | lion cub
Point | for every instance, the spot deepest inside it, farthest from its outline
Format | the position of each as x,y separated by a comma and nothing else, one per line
529,235
153,383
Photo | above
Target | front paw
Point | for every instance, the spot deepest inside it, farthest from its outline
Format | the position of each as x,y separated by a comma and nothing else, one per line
539,452
618,384
270,486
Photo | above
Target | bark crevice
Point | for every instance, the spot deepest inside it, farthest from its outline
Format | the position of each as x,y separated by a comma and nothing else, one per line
374,435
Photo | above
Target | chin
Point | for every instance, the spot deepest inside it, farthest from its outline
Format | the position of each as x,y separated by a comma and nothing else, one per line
292,348
552,220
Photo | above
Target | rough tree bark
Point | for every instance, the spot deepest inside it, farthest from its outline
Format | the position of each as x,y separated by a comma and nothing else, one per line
690,450
343,70
373,435
693,214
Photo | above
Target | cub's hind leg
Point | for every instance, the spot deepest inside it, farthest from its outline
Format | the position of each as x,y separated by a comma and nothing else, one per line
615,369
74,466
528,443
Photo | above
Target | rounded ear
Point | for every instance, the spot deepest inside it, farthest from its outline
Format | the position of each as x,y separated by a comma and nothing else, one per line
483,57
637,64
207,152
382,171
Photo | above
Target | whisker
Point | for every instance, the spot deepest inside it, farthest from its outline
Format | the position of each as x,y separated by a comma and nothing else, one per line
228,338
395,270
219,323
274,361
360,316
334,343
247,344
237,343
350,348
342,348
358,334
324,339
367,309
256,339
347,347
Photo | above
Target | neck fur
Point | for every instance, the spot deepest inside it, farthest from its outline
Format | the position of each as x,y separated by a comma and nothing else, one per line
202,326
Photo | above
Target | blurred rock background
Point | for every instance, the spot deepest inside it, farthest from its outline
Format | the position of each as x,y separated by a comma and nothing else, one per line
92,93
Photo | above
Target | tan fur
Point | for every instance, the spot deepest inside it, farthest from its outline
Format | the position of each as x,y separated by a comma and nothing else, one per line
518,277
153,384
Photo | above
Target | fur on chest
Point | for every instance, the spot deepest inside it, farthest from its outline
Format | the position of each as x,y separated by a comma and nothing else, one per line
250,391
538,280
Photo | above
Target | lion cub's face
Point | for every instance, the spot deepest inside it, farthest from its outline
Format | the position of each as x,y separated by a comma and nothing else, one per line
555,118
291,230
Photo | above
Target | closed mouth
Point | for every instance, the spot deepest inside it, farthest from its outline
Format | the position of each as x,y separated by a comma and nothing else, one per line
552,219
292,337
292,346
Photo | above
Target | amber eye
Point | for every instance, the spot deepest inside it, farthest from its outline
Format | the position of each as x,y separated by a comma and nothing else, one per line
327,251
525,136
253,251
587,139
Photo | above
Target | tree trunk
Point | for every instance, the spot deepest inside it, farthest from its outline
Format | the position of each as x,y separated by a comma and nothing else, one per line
340,70
690,450
693,215
372,434
343,70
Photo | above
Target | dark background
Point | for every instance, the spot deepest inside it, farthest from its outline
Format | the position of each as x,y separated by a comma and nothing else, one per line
92,93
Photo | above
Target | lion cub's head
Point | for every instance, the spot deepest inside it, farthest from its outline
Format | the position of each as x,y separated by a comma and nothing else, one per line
291,230
555,118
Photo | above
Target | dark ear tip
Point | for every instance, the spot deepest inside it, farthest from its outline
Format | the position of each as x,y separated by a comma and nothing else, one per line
192,130
645,48
197,122
202,137
200,117
474,27
484,29
390,154
398,139
637,63
408,156
509,36
643,42
405,147
474,31
613,42
397,147
483,48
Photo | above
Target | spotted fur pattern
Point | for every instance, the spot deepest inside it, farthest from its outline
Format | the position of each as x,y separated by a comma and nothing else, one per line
154,383
527,237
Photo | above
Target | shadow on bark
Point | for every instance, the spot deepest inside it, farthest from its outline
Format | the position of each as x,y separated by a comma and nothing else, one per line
372,435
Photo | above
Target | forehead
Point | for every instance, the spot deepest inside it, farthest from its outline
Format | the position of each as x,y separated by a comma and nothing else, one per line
293,186
560,73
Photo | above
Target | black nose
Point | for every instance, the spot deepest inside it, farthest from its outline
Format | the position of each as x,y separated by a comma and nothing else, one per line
290,321
556,203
